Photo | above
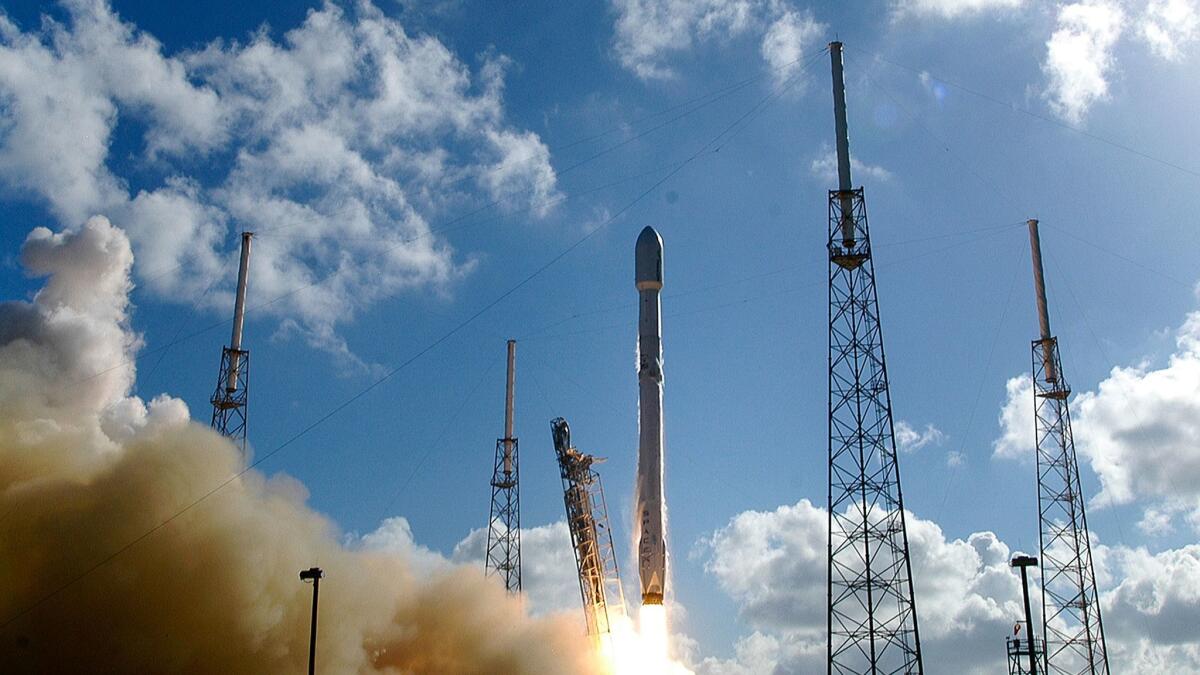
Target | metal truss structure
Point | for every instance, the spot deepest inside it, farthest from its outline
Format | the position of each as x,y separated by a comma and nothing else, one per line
591,536
229,401
872,615
1071,623
504,525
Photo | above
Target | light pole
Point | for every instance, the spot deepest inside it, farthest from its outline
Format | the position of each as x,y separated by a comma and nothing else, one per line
314,574
1024,562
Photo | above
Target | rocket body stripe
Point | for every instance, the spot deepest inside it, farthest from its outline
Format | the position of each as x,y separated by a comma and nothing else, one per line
652,546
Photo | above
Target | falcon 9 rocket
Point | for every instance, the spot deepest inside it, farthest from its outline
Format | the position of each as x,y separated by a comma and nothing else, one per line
652,544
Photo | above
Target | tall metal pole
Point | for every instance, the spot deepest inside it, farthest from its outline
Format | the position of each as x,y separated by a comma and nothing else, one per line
1039,288
509,388
842,133
1071,621
872,617
239,312
230,397
1024,562
504,522
314,575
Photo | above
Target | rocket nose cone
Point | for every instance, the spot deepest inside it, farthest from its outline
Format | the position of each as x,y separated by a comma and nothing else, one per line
648,256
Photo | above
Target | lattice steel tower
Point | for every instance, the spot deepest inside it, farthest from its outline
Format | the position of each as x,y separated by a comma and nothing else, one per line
872,618
504,525
1071,621
591,536
233,382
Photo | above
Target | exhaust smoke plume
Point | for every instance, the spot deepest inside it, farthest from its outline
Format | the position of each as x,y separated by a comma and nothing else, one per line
86,467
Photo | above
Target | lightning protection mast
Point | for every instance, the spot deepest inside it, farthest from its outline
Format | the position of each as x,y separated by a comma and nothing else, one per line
872,619
233,382
504,525
591,536
1071,622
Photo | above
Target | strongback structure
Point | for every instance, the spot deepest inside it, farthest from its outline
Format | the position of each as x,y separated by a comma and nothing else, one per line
230,397
591,536
504,524
1071,623
872,618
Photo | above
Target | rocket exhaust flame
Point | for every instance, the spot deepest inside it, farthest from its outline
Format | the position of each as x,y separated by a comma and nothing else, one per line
652,545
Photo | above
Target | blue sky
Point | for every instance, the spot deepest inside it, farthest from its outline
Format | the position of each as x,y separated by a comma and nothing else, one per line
513,133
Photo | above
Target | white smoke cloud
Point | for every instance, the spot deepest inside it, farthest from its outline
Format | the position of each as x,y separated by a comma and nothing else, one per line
1079,56
97,490
336,143
58,352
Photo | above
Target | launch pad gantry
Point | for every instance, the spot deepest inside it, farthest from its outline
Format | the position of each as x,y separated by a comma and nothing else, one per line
591,536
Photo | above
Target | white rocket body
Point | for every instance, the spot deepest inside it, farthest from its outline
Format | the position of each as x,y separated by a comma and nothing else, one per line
652,544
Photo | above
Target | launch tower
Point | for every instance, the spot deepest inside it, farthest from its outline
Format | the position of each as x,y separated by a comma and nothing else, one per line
233,382
504,525
872,617
1071,622
591,536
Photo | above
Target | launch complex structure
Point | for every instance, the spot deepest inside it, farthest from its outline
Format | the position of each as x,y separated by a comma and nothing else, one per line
872,617
872,614
591,535
504,525
1071,624
229,400
872,625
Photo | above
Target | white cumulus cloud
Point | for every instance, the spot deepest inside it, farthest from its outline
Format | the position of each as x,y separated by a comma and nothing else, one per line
1138,430
787,40
1079,56
1170,25
649,32
772,564
951,9
338,143
824,166
909,438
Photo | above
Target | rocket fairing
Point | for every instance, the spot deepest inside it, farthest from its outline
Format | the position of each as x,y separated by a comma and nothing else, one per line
652,544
